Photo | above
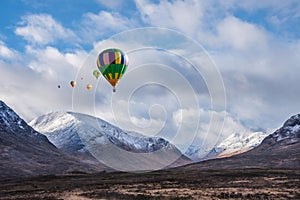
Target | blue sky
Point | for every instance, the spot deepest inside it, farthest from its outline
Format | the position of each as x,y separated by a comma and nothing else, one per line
254,44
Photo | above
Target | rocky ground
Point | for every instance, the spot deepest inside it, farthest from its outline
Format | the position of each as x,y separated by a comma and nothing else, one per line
167,184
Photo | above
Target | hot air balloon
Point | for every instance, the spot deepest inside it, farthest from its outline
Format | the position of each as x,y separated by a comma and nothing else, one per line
96,73
73,83
89,86
112,63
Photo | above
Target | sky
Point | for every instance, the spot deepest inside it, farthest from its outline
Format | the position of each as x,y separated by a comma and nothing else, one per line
247,53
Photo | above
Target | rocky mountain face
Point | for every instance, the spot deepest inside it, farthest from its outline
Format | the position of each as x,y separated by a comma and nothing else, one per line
288,134
79,134
25,152
280,149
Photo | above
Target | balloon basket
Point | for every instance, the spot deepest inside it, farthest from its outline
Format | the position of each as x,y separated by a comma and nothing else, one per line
114,89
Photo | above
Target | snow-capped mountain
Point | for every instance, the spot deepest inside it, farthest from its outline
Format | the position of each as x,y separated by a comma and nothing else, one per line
234,144
79,133
25,152
237,143
288,134
280,149
11,122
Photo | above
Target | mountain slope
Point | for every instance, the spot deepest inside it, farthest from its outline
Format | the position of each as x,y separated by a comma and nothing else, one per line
88,136
280,149
25,152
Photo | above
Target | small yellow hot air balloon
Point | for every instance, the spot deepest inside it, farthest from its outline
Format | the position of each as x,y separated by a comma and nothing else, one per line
73,83
96,73
89,86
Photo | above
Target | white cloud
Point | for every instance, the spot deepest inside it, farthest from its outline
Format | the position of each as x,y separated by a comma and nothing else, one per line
29,93
6,52
241,35
30,83
43,29
185,16
96,26
51,62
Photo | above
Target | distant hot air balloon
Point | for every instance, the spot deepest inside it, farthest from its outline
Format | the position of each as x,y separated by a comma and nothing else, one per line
73,83
89,86
112,63
58,86
96,73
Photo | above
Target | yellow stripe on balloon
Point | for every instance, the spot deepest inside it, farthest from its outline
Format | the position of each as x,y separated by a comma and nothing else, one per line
110,76
98,62
116,75
106,77
117,57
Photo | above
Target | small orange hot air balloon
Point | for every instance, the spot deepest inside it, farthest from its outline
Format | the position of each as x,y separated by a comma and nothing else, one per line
88,86
73,83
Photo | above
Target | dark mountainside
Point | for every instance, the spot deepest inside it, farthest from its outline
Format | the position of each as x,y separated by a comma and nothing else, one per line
25,152
281,149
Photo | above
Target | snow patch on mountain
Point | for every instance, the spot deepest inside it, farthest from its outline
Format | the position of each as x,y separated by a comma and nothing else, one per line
8,116
236,143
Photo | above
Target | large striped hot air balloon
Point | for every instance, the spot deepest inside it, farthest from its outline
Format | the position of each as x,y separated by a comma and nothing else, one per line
112,63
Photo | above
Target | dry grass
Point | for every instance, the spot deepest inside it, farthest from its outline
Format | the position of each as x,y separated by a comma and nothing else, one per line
171,184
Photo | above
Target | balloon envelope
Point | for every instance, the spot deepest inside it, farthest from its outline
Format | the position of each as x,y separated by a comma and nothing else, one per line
89,86
73,83
112,64
96,73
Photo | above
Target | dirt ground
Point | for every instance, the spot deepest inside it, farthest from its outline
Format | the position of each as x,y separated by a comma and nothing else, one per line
167,184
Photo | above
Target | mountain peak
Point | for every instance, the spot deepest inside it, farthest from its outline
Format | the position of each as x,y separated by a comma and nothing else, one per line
9,120
289,133
292,121
290,130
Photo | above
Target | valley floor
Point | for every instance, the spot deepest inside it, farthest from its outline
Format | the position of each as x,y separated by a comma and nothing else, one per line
171,184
